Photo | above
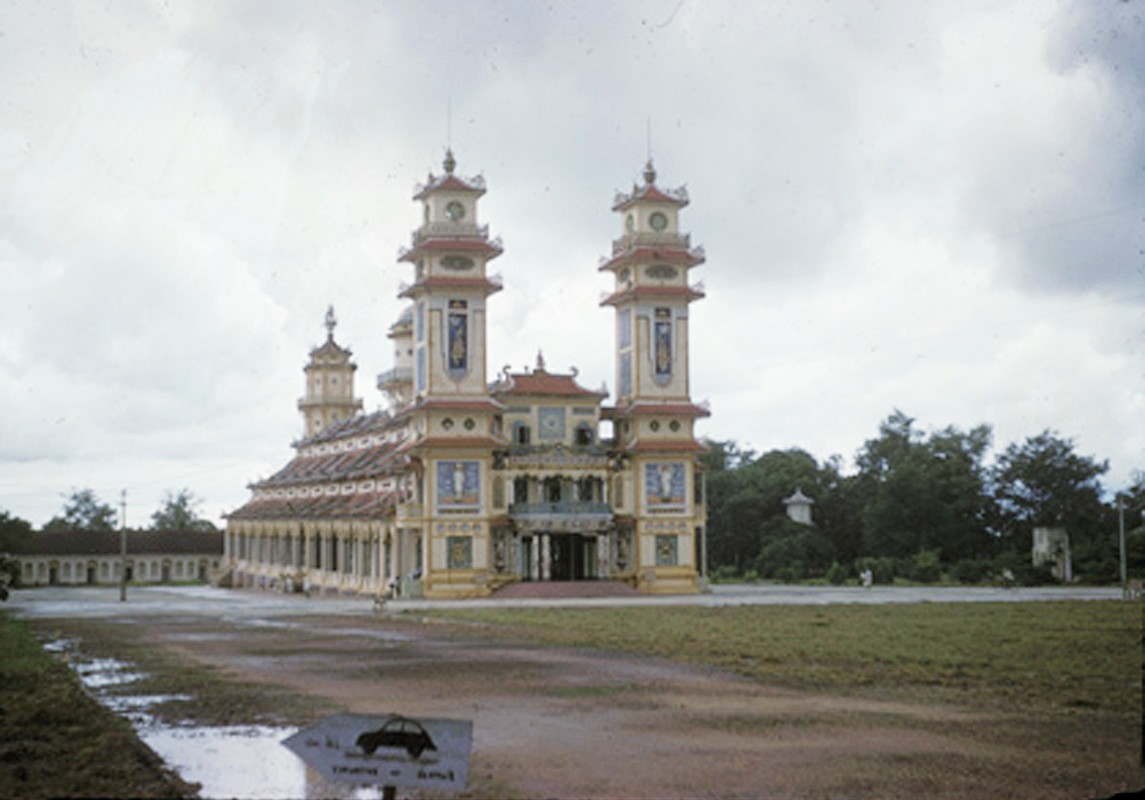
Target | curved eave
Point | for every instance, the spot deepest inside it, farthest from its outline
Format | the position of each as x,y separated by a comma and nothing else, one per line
666,447
649,194
660,410
450,183
651,293
454,443
442,404
639,255
484,285
452,244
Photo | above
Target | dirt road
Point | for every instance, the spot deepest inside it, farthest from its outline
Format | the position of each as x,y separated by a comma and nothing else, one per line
566,723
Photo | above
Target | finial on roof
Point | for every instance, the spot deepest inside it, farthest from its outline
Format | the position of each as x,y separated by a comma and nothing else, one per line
450,162
540,362
331,321
649,173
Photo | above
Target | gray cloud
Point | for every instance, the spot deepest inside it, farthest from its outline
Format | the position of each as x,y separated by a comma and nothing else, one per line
895,199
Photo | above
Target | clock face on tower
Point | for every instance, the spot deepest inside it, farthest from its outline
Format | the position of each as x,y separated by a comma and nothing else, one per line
658,221
455,211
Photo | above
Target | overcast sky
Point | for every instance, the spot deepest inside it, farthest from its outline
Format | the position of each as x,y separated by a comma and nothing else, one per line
937,207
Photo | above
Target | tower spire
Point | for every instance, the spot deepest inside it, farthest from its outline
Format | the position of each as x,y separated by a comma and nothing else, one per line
649,172
331,321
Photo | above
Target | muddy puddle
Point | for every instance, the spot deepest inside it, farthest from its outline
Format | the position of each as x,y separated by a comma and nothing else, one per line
240,761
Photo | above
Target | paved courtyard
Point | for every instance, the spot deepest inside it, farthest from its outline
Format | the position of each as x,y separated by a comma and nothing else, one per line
103,601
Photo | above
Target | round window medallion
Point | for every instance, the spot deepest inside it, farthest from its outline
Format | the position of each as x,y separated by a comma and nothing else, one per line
654,425
447,423
674,425
470,424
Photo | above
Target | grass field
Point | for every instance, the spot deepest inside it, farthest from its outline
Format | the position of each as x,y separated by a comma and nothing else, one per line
56,741
1080,655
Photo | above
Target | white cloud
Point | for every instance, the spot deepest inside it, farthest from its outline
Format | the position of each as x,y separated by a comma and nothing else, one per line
934,207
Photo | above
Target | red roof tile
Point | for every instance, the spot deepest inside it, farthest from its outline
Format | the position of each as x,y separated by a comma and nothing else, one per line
685,446
645,409
359,505
543,384
652,292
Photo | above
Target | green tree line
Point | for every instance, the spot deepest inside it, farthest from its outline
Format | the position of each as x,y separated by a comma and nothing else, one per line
83,510
919,506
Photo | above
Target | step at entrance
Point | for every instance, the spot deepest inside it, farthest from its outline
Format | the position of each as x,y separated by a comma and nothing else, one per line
526,589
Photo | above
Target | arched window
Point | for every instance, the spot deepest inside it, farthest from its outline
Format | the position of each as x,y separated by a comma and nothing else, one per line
521,433
583,435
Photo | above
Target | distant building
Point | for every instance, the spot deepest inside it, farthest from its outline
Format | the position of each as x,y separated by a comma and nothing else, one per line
799,507
463,486
55,558
1051,546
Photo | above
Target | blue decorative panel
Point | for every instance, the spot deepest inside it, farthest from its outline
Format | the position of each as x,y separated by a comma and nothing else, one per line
459,552
624,334
664,485
458,484
667,551
551,424
458,357
663,343
421,369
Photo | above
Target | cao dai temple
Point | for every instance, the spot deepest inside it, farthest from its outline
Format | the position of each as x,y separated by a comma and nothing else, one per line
464,486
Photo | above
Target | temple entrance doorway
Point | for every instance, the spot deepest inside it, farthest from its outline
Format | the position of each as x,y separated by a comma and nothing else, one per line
573,557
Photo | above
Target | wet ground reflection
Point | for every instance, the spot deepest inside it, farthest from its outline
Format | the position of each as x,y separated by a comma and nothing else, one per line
240,761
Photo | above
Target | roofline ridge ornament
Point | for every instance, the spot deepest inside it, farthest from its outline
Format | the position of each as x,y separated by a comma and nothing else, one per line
330,321
649,172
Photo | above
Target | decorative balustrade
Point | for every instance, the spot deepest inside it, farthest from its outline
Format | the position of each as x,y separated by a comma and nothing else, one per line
680,194
449,230
562,508
650,239
395,375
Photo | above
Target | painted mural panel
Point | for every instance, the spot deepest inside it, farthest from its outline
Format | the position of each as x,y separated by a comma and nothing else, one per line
664,485
662,336
458,484
459,552
551,424
667,550
458,338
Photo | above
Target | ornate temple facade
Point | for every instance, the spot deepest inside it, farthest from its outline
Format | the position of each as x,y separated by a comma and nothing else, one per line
463,486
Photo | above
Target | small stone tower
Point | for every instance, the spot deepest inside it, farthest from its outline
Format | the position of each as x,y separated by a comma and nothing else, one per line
329,384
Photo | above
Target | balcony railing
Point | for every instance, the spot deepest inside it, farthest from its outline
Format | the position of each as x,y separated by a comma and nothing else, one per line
564,507
449,230
395,375
646,239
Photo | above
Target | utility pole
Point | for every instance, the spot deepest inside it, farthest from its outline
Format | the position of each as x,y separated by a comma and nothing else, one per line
123,546
1121,544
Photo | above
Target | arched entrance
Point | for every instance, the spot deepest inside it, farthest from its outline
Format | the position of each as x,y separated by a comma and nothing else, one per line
572,557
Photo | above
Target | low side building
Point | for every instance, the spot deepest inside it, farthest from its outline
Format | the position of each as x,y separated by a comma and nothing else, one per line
57,558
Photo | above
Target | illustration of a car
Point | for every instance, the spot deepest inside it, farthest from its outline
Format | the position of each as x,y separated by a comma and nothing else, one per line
398,732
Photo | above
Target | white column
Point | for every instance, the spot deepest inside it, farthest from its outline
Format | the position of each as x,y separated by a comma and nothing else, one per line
546,558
